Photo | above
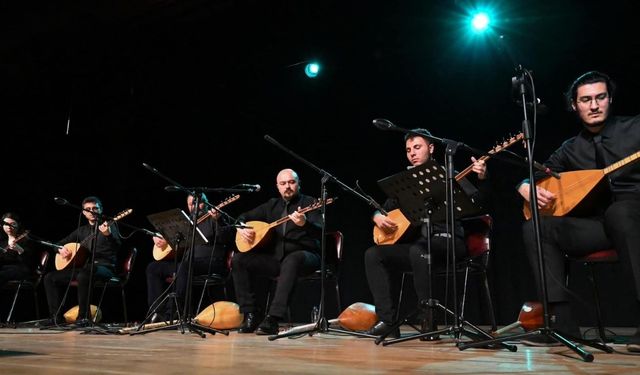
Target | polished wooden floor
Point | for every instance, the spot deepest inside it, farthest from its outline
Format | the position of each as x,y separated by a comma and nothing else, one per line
31,351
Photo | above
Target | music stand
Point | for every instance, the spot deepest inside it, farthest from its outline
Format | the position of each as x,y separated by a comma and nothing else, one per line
175,226
421,194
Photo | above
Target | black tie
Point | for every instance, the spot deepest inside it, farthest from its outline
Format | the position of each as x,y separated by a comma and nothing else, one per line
597,141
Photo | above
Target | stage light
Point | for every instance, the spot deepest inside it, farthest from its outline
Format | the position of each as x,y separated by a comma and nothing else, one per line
480,21
312,70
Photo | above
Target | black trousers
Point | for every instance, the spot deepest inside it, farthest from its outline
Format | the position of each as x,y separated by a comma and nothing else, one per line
158,271
55,283
618,228
248,267
385,264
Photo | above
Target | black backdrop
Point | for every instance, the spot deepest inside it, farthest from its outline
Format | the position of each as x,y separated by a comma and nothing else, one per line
91,91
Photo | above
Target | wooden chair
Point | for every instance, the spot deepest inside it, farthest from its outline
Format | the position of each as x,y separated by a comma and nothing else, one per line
119,280
29,284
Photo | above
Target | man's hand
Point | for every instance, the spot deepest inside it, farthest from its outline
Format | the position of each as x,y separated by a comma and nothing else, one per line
385,223
479,167
298,218
247,234
545,197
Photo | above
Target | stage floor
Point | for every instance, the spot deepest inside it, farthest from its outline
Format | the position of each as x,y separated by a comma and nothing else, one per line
30,351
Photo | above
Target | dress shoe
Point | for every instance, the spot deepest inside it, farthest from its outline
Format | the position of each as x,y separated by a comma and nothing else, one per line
382,328
81,323
269,326
634,343
249,323
428,325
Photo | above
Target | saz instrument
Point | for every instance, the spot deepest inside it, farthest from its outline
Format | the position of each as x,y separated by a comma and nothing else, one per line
380,237
79,250
529,318
220,315
262,229
167,253
572,187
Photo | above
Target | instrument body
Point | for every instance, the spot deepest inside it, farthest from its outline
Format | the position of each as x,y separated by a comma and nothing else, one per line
167,253
78,250
573,187
262,229
529,318
380,237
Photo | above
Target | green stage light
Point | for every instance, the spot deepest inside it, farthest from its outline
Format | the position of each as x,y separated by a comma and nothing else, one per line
312,70
480,22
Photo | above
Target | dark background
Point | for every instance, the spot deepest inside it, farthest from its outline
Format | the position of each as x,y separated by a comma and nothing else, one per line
191,87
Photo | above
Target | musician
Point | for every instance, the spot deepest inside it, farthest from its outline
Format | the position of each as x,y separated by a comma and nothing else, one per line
209,258
107,245
17,260
294,251
384,263
614,222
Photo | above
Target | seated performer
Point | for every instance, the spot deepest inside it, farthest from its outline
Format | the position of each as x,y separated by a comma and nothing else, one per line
294,251
209,258
383,263
613,223
17,259
108,242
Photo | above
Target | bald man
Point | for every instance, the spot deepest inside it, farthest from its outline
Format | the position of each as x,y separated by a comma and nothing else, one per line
294,250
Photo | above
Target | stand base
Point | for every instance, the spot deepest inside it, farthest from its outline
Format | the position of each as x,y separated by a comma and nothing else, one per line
455,331
321,326
563,339
184,326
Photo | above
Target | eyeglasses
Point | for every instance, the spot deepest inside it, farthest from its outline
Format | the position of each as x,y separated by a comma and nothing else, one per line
92,209
588,99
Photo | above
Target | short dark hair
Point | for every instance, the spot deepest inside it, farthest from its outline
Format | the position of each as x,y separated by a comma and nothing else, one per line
585,79
418,130
93,199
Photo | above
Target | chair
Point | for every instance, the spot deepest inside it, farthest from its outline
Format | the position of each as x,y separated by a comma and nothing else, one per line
119,280
213,279
31,283
333,252
478,244
607,256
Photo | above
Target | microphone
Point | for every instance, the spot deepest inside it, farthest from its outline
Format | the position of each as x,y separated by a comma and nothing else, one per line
546,169
152,169
172,188
383,124
250,188
61,201
541,107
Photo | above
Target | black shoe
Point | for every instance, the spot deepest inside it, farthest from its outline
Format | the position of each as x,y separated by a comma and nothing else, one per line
249,323
81,323
269,326
428,325
634,343
382,328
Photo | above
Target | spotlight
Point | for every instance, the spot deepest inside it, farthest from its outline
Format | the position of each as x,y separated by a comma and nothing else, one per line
312,70
480,22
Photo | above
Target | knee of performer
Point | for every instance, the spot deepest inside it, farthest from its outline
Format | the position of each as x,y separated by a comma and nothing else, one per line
372,255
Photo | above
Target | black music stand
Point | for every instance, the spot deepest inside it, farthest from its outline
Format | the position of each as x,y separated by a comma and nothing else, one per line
175,227
421,194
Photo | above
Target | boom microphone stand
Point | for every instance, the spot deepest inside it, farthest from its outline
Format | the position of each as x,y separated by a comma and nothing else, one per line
521,82
321,325
187,321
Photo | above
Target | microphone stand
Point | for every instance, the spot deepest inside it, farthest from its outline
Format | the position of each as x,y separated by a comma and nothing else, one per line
533,202
321,325
187,321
